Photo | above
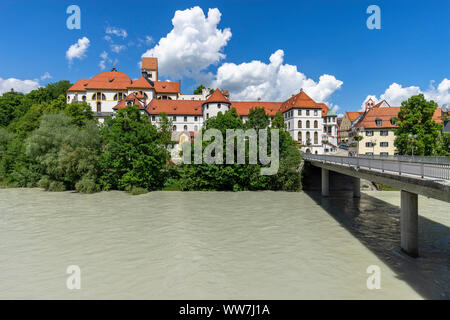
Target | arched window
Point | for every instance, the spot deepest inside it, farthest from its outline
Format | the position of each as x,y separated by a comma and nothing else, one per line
289,125
316,124
299,123
68,99
119,96
174,128
98,96
316,138
185,128
83,98
300,136
307,123
308,137
99,106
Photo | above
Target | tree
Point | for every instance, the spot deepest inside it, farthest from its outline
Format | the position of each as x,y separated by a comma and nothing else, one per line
80,113
199,89
133,155
415,118
12,106
257,119
66,154
278,121
165,129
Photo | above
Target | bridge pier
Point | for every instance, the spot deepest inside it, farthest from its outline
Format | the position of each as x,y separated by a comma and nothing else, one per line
409,223
356,187
325,183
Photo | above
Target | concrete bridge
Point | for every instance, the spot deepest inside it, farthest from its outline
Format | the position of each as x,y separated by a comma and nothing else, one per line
428,176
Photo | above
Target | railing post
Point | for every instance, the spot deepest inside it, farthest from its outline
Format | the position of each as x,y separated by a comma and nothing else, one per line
399,167
382,165
421,169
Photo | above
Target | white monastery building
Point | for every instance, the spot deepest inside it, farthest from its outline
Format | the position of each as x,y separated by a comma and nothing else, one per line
313,125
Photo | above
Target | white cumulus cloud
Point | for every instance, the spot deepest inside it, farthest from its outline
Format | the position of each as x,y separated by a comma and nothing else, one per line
46,76
24,86
119,32
396,93
78,50
192,45
275,81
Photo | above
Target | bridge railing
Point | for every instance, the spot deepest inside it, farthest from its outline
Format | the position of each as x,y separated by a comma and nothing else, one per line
429,168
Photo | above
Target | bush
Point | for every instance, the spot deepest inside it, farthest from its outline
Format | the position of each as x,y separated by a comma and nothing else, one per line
87,185
44,183
138,190
56,186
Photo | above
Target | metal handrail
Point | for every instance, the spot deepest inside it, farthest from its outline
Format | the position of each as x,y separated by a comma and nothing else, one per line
430,168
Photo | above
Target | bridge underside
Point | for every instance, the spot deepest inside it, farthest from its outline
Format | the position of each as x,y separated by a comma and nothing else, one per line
348,178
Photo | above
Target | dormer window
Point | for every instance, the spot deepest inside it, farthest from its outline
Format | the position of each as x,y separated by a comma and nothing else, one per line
378,122
393,121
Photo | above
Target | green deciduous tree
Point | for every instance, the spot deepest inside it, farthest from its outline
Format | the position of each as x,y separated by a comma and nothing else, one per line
257,119
415,118
199,89
133,154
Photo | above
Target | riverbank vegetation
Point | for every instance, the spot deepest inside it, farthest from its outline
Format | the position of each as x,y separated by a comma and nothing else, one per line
47,143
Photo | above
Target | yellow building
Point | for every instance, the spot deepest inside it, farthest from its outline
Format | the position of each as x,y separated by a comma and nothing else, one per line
345,126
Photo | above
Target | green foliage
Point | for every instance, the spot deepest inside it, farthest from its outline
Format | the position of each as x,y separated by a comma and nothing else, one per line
257,119
135,191
65,154
415,118
239,177
133,155
278,121
199,89
165,129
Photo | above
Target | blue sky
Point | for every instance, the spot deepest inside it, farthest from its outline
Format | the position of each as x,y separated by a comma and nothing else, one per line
411,50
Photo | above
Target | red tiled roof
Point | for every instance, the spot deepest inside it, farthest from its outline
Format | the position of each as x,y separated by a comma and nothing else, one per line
149,63
386,114
175,107
110,80
353,115
80,85
243,107
167,87
300,100
217,96
140,83
131,97
324,109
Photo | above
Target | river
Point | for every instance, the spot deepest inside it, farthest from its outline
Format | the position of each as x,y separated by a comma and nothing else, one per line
217,245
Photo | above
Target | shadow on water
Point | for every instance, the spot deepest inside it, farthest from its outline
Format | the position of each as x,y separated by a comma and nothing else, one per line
376,224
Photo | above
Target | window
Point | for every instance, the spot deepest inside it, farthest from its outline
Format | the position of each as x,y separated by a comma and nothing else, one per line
174,128
378,122
384,133
315,112
308,137
174,118
68,99
393,121
316,138
307,112
83,98
384,144
98,96
300,137
369,153
368,144
195,118
307,123
99,107
129,103
289,125
195,128
185,128
299,124
153,118
369,133
316,124
185,119
119,96
207,116
218,105
299,112
384,154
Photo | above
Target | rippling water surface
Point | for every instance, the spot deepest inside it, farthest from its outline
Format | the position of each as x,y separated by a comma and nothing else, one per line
217,245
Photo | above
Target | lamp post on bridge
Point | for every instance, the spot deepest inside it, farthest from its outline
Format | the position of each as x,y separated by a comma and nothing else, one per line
412,139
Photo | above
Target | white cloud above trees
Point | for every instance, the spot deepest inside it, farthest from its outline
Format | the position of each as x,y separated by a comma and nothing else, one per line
18,85
78,50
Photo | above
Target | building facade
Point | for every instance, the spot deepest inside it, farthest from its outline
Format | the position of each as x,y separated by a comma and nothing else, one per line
309,123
